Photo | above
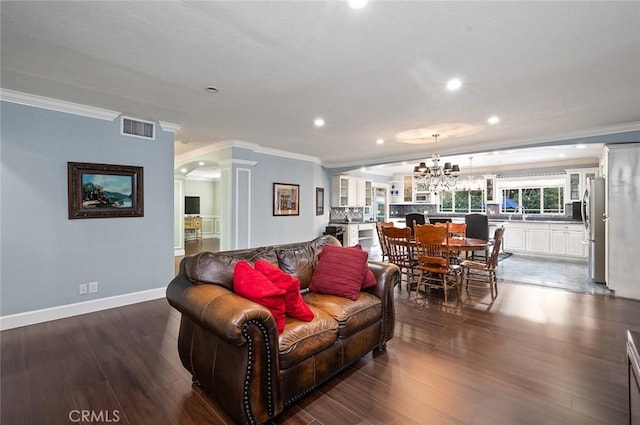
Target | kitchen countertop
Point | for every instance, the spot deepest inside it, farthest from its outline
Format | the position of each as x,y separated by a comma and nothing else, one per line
351,222
506,220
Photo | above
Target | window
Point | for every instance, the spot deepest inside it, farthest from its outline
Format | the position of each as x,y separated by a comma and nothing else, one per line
533,200
462,201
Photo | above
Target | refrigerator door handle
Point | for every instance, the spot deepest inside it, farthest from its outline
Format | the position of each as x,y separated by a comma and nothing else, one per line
605,217
583,213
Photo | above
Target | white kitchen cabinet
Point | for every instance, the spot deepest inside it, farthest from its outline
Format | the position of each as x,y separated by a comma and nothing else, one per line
543,238
576,181
395,192
537,241
524,237
350,192
351,235
367,235
514,238
567,240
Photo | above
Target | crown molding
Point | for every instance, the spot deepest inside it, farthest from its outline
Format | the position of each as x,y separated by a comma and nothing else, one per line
229,162
57,105
290,155
169,126
234,143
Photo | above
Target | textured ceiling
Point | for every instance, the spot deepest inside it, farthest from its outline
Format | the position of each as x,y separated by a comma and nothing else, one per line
550,70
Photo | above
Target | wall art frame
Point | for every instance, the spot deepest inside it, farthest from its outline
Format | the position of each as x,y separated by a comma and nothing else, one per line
104,190
319,200
286,199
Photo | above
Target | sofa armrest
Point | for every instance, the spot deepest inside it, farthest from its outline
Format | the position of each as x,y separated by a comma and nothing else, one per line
387,275
218,309
237,342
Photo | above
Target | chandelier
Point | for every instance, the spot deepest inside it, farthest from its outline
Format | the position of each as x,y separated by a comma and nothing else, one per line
471,183
435,178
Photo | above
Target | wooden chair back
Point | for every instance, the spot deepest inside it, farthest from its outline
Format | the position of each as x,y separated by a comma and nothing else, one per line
431,245
398,244
383,242
492,261
457,230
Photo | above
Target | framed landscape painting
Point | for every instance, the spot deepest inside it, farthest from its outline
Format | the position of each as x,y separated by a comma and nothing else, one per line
104,191
286,199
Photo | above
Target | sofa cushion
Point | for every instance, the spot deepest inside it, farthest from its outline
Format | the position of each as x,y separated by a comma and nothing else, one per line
350,315
368,280
217,268
298,261
339,271
301,340
294,304
253,285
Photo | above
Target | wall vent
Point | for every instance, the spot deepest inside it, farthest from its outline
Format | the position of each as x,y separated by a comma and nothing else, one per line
138,128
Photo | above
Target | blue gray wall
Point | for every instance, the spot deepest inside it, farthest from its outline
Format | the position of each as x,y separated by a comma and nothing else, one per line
44,255
263,227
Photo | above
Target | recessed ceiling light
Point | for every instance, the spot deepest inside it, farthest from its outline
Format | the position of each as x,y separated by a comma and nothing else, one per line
380,141
318,122
454,84
201,163
493,120
404,162
495,153
357,4
212,89
562,155
183,170
581,146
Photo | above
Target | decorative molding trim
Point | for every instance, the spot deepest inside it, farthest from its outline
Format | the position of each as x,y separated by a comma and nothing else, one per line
179,253
60,312
227,162
169,126
232,143
57,105
249,194
289,155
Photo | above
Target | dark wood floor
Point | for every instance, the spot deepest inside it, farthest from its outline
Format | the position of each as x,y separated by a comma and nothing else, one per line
534,356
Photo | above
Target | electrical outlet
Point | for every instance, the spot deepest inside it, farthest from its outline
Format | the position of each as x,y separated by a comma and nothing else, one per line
93,287
83,289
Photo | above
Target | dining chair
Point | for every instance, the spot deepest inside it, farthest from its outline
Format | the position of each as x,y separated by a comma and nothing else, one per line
434,220
483,273
459,231
381,238
400,252
434,265
414,217
478,227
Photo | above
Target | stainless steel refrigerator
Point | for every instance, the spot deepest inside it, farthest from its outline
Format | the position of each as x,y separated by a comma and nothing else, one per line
621,169
593,210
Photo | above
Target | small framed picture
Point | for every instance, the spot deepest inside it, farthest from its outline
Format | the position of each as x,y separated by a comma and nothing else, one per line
319,200
104,191
286,199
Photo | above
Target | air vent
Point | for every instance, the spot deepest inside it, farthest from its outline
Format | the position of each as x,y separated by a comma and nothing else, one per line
138,128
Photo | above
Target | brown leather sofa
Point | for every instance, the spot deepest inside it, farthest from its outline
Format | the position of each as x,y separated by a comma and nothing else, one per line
231,346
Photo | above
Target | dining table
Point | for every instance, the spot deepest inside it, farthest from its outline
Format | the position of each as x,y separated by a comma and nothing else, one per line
464,244
467,244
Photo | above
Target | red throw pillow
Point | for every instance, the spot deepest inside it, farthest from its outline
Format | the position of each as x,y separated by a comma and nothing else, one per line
293,302
368,280
339,271
253,285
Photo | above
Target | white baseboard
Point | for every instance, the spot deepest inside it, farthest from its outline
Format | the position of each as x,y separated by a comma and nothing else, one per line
47,314
178,253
